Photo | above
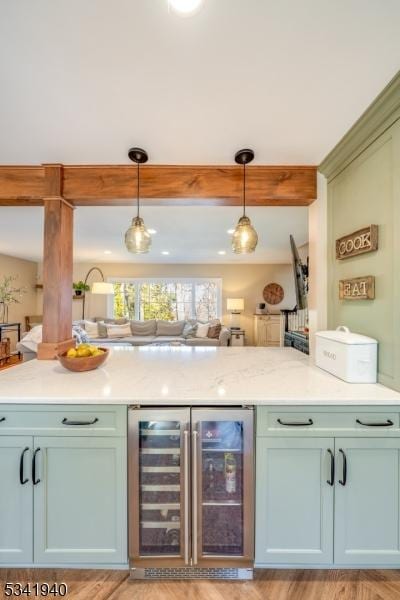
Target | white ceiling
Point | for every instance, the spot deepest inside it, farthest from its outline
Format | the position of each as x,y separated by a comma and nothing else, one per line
191,234
82,81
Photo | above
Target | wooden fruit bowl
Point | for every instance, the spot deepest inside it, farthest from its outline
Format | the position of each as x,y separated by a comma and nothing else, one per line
86,363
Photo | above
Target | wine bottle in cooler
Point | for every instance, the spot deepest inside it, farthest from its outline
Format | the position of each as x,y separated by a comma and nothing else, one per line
230,473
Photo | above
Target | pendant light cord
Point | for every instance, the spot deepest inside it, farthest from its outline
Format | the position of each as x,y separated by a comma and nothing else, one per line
138,188
244,189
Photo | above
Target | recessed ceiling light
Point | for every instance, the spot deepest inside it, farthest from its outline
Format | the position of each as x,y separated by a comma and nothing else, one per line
152,231
107,252
185,8
165,252
230,231
222,252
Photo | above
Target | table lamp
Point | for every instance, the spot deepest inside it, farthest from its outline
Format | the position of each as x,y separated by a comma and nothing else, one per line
235,306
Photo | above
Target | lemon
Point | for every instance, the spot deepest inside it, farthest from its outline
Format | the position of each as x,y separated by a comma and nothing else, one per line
98,352
71,353
83,352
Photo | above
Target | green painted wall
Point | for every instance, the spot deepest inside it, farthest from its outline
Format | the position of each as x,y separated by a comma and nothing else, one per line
365,192
365,189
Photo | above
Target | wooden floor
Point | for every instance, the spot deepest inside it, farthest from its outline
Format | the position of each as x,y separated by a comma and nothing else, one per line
268,585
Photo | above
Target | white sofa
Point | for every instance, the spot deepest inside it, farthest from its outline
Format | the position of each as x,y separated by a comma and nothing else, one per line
141,333
155,331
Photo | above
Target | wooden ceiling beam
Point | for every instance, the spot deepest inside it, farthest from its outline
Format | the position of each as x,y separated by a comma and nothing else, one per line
115,185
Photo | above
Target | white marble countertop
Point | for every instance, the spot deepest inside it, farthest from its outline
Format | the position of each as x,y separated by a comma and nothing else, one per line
182,375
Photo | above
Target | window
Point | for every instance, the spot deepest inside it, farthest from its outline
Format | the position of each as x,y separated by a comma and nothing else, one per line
168,299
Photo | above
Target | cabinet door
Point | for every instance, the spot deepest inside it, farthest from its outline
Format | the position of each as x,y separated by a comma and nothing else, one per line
273,333
367,527
80,500
16,500
159,519
294,501
222,487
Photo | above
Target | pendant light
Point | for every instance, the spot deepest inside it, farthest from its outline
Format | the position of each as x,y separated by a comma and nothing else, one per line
244,238
137,238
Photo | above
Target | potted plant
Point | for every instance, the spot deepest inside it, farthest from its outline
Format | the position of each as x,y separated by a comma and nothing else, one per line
80,288
9,294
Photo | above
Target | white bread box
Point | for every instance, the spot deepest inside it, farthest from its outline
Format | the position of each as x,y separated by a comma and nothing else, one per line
350,356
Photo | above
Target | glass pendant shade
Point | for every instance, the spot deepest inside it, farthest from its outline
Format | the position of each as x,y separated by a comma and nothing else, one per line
244,238
137,238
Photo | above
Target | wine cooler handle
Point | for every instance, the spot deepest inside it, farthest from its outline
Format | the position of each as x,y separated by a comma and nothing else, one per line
194,490
186,475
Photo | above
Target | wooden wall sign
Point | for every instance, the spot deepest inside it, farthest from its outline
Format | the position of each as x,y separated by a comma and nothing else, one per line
359,242
358,288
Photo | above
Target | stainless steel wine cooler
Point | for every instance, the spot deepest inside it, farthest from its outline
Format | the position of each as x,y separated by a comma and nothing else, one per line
191,499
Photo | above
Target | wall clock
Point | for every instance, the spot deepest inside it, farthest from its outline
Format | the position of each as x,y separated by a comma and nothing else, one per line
273,293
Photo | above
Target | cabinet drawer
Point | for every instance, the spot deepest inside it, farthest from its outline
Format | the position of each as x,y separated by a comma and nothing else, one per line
328,422
63,420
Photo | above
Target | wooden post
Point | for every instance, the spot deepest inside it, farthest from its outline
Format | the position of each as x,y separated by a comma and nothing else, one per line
57,267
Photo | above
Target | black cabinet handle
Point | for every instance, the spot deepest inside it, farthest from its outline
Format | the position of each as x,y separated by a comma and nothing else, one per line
296,424
21,467
34,480
343,481
331,481
387,423
65,421
2,419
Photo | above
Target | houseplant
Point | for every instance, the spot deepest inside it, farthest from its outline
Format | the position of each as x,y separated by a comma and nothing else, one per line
80,288
9,294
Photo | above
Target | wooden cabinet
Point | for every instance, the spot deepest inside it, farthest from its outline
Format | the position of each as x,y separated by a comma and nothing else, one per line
294,501
63,498
16,500
268,330
367,522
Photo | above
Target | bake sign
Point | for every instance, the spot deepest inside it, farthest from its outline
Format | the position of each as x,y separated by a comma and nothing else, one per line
358,288
358,242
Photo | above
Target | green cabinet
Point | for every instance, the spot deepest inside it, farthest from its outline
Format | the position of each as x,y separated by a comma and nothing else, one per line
301,519
294,501
63,497
16,500
367,524
80,501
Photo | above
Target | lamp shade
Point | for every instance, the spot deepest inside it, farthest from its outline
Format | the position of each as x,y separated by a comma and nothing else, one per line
235,304
102,287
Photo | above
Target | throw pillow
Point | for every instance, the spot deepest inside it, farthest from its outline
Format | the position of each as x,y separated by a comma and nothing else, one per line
120,321
189,330
144,327
214,331
102,329
202,330
118,331
91,329
174,328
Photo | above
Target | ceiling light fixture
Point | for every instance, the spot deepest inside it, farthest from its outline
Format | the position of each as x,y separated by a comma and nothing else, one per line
244,238
185,8
137,238
165,253
221,252
230,231
152,231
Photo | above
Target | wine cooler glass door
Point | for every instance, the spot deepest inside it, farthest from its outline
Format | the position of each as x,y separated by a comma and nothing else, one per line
158,478
222,486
